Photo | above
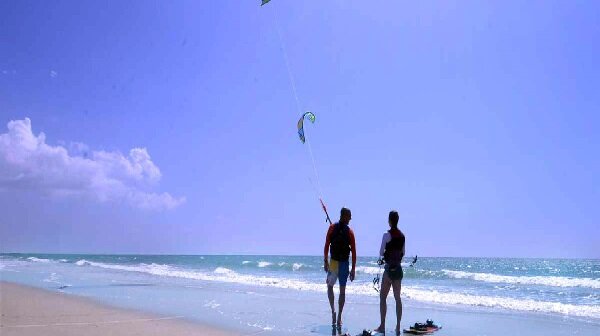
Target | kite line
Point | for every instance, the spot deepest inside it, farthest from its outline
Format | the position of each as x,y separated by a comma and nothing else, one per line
308,115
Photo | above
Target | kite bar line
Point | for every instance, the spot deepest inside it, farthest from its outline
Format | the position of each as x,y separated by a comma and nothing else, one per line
312,158
298,106
325,209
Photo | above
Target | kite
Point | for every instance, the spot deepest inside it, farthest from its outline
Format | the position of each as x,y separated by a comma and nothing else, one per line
264,2
310,117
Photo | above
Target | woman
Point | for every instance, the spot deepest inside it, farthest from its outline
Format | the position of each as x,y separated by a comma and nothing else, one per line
391,251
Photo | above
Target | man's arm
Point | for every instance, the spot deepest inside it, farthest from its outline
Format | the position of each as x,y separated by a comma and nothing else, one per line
326,248
353,250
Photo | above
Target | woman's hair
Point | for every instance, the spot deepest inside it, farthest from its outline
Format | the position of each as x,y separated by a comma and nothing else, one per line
393,218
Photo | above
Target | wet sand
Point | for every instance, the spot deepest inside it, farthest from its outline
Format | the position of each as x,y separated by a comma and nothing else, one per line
30,311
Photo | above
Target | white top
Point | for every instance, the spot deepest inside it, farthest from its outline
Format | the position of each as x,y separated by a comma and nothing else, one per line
387,237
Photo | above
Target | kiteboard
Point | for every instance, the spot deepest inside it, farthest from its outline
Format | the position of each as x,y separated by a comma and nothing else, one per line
419,331
422,328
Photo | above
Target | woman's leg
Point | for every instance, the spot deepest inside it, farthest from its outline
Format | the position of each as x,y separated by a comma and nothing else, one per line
386,283
397,285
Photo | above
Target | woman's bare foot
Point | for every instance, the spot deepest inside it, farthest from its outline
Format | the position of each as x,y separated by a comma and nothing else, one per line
379,330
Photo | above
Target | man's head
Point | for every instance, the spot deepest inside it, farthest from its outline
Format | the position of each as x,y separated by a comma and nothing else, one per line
393,219
345,215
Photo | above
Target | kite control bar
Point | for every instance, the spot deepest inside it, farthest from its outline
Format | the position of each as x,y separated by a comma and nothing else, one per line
325,209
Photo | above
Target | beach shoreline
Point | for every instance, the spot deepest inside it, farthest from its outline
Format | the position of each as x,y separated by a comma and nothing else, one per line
28,311
256,295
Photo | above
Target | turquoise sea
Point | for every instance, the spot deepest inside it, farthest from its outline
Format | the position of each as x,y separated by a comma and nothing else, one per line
286,294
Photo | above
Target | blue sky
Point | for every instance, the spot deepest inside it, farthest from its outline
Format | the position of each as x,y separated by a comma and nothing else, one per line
476,121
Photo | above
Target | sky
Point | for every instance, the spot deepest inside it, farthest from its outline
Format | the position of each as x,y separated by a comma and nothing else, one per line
170,126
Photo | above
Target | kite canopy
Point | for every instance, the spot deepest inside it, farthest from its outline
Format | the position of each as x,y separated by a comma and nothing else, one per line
264,2
310,117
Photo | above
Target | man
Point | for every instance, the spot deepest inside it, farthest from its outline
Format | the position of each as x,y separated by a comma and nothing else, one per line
341,239
392,252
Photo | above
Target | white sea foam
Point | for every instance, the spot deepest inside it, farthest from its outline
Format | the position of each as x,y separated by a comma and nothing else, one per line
6,265
256,325
368,269
42,260
212,304
283,263
502,302
223,270
404,264
52,278
246,262
221,274
226,275
297,266
155,269
553,281
264,264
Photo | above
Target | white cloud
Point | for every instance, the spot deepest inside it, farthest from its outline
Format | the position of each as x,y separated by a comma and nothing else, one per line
79,149
53,73
28,163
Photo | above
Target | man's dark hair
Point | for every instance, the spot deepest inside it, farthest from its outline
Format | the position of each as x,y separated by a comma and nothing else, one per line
344,211
394,217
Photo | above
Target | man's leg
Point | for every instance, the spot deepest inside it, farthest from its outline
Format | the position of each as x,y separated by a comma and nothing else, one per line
341,301
397,285
343,272
332,278
331,297
386,283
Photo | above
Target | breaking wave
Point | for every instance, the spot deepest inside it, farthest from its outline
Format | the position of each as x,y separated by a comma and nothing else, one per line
553,281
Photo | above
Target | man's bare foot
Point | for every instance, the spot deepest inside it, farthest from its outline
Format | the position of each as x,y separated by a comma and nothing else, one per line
332,318
379,330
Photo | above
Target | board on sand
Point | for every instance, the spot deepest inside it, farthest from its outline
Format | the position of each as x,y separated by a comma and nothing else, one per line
421,331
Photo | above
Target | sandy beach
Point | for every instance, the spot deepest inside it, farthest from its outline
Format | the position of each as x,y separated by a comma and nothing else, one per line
30,311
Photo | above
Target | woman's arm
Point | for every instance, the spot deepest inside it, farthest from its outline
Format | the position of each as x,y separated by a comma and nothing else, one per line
384,240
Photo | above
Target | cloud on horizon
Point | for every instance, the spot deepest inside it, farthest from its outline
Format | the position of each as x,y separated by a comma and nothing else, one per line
27,162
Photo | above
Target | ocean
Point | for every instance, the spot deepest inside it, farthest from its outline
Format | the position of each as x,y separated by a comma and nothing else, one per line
286,294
